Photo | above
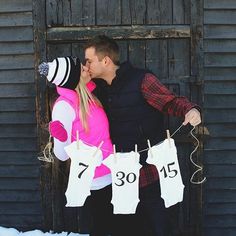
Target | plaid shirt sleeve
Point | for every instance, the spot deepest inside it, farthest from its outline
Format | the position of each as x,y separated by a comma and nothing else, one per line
158,96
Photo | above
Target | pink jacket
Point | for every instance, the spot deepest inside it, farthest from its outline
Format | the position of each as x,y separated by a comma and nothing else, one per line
97,124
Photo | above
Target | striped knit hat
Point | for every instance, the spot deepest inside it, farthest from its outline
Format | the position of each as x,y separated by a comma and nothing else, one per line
62,71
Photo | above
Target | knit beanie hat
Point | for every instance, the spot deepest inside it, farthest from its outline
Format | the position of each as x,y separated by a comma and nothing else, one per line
62,71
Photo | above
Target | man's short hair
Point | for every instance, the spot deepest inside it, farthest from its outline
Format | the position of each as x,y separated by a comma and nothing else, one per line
104,46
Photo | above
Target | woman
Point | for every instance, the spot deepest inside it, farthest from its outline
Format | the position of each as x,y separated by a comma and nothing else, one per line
78,112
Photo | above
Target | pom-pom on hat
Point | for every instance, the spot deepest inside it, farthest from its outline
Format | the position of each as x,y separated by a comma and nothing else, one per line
62,71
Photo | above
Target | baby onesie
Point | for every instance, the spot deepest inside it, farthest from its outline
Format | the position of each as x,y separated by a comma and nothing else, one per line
125,169
83,164
164,157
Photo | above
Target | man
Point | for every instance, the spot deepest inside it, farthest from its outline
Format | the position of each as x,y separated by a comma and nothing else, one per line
135,101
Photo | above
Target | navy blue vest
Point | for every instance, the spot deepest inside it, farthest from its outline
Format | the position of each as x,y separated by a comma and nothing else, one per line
132,120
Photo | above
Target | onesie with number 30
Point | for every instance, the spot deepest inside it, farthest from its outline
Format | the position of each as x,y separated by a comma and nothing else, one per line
125,169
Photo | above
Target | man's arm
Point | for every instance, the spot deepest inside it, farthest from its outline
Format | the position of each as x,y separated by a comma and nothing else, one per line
158,96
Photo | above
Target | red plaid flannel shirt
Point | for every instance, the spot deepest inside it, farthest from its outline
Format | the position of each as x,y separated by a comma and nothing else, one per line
158,96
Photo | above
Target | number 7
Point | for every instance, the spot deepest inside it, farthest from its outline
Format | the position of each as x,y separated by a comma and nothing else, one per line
86,167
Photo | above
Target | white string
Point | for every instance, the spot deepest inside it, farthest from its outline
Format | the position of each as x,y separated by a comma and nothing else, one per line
48,154
199,168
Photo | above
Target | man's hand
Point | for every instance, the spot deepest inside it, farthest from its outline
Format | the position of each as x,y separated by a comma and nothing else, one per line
193,117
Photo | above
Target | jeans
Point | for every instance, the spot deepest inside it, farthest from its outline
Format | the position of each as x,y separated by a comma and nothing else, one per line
97,213
152,210
150,218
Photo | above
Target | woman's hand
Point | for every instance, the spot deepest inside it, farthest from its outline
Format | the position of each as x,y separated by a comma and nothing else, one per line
85,76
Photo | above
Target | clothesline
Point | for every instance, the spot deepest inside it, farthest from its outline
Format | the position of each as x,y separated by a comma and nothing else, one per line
48,156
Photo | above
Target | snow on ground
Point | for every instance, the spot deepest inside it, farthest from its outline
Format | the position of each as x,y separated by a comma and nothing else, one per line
14,232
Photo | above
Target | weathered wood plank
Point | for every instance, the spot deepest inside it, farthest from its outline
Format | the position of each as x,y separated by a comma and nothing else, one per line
17,118
76,12
118,32
15,6
71,13
137,53
220,17
12,34
218,87
137,12
221,144
64,13
108,12
219,221
42,112
219,32
147,12
222,130
54,13
19,158
20,90
18,144
16,48
178,62
15,131
219,101
59,178
220,209
216,231
125,12
19,196
219,4
221,45
18,184
59,50
21,222
77,50
197,40
220,171
220,60
88,11
123,46
220,116
181,12
219,74
156,57
153,12
166,7
16,76
220,196
16,19
220,156
20,209
20,104
19,172
16,62
220,183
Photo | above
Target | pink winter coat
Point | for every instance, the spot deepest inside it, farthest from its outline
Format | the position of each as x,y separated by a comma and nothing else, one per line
98,127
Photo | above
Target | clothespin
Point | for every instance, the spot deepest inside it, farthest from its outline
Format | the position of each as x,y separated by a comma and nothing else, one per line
99,146
149,146
168,136
114,151
77,139
136,152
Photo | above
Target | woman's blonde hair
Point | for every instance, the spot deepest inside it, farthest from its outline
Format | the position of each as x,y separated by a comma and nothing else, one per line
85,99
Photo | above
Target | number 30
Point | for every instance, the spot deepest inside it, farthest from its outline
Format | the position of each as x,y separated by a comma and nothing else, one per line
130,178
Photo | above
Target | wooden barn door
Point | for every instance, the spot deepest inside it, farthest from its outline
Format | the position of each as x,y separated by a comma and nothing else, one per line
162,35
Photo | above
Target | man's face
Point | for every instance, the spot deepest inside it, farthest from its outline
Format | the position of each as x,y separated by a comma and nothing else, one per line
95,66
